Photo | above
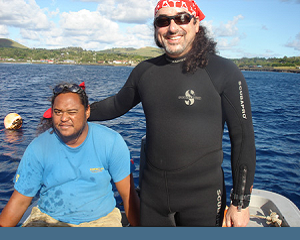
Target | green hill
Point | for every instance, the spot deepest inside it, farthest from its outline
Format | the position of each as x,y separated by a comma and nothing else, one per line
144,52
7,43
147,52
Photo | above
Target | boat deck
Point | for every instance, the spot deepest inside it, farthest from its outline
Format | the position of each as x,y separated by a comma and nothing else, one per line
263,203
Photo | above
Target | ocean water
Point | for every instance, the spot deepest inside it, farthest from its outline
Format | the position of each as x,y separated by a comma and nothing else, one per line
26,88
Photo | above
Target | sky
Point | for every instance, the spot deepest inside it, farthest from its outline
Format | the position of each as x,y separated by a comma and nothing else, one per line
241,28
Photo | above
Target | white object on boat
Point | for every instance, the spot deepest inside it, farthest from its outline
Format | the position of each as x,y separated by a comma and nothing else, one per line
263,203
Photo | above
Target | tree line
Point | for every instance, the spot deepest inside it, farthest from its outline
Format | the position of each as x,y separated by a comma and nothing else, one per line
291,62
78,55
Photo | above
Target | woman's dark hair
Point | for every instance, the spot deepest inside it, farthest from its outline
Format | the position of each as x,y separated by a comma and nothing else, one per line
198,56
46,123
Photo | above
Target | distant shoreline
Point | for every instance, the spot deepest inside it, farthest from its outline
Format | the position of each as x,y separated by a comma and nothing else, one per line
80,64
286,70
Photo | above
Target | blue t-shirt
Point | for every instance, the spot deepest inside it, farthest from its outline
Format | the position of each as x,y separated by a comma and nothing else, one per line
74,183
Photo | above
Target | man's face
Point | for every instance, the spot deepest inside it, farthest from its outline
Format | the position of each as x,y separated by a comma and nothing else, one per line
177,40
70,118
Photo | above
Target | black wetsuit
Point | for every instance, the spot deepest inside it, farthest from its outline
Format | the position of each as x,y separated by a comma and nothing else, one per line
183,181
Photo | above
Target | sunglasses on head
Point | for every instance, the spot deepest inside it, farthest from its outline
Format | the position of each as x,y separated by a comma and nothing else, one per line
180,19
74,88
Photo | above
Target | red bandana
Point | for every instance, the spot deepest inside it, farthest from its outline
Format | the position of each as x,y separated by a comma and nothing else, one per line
189,5
48,113
82,85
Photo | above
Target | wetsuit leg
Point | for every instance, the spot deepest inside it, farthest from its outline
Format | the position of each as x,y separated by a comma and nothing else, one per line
207,213
197,193
191,196
154,199
152,218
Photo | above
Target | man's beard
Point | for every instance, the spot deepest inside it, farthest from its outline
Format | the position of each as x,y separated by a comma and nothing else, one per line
170,48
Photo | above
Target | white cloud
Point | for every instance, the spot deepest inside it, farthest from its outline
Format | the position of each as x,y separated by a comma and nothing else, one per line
53,13
228,29
89,25
84,28
295,44
3,31
130,11
23,14
226,44
137,36
92,30
30,34
209,26
226,35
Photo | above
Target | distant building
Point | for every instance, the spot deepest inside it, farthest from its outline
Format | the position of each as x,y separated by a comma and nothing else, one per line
69,61
120,62
117,62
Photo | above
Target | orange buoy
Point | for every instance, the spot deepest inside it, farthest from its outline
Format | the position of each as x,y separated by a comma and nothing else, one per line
13,121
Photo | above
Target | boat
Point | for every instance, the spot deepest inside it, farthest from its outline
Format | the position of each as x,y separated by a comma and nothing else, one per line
272,209
267,209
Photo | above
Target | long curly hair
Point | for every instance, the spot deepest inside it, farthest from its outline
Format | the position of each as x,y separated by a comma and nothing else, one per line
203,45
44,125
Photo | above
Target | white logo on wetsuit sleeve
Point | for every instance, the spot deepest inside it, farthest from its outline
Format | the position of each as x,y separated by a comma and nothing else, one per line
219,206
242,100
189,97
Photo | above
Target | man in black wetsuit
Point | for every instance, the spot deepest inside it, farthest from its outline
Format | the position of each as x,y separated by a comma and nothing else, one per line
187,95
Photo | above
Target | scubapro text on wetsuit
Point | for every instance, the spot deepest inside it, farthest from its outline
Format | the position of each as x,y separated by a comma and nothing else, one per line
242,100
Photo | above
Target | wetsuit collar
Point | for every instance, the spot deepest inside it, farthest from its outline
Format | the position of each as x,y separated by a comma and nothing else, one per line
175,60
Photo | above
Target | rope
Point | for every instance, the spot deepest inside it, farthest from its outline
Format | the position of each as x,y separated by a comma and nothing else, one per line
272,219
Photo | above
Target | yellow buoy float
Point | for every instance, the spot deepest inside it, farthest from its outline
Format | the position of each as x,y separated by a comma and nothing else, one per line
13,121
